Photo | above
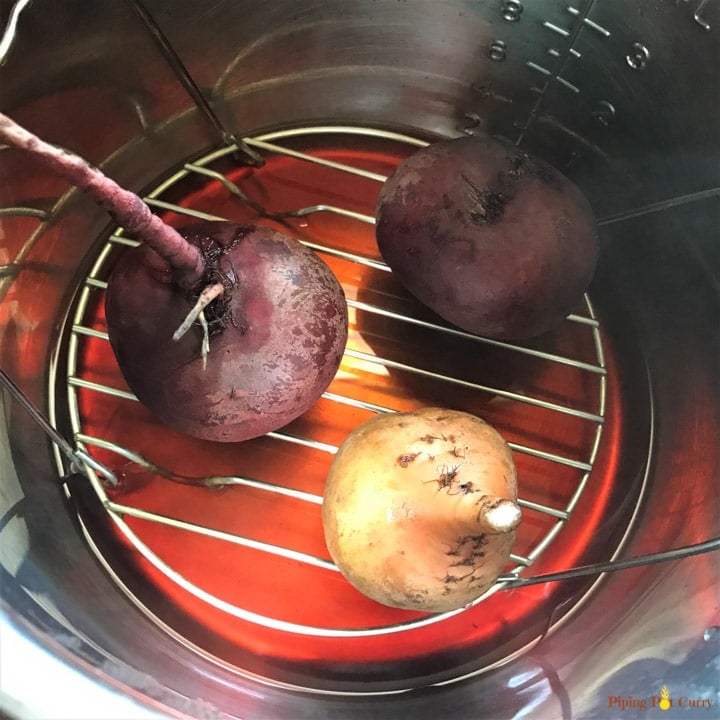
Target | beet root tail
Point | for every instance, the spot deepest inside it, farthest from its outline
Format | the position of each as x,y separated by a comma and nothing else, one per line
126,208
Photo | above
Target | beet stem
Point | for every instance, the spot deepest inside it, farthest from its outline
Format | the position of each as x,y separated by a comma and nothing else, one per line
126,208
210,293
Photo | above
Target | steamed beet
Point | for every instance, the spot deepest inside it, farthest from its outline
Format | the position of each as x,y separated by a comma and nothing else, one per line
276,338
255,356
494,241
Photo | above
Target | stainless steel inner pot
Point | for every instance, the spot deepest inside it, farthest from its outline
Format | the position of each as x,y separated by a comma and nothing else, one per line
622,97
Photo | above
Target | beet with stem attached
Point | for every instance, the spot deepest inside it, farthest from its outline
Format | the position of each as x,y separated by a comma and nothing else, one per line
496,242
224,331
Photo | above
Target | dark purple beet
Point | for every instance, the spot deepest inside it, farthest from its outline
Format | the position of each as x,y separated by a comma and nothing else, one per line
494,241
276,331
278,339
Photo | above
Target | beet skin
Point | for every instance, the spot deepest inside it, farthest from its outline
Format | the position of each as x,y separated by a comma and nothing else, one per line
277,334
494,241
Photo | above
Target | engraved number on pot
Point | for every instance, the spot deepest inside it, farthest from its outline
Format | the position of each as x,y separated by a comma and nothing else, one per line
476,123
604,113
638,56
698,17
497,50
511,10
698,14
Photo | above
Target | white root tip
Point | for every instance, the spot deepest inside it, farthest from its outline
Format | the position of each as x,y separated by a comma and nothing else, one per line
502,515
210,293
205,350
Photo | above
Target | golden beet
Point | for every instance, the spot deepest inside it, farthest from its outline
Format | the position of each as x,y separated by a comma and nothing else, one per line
420,510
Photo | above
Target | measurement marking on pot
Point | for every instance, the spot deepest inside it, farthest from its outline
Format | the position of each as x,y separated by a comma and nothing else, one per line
497,50
556,53
539,68
511,10
567,84
556,29
638,56
554,75
588,22
84,331
604,113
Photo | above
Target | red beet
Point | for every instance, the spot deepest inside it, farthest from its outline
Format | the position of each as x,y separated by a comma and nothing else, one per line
277,335
267,343
492,240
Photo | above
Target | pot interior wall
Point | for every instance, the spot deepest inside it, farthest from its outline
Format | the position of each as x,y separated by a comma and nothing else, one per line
602,93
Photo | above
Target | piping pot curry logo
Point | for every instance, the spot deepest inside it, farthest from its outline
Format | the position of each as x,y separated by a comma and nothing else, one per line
663,702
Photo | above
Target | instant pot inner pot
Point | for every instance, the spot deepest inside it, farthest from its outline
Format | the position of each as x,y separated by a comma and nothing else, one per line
240,568
203,573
